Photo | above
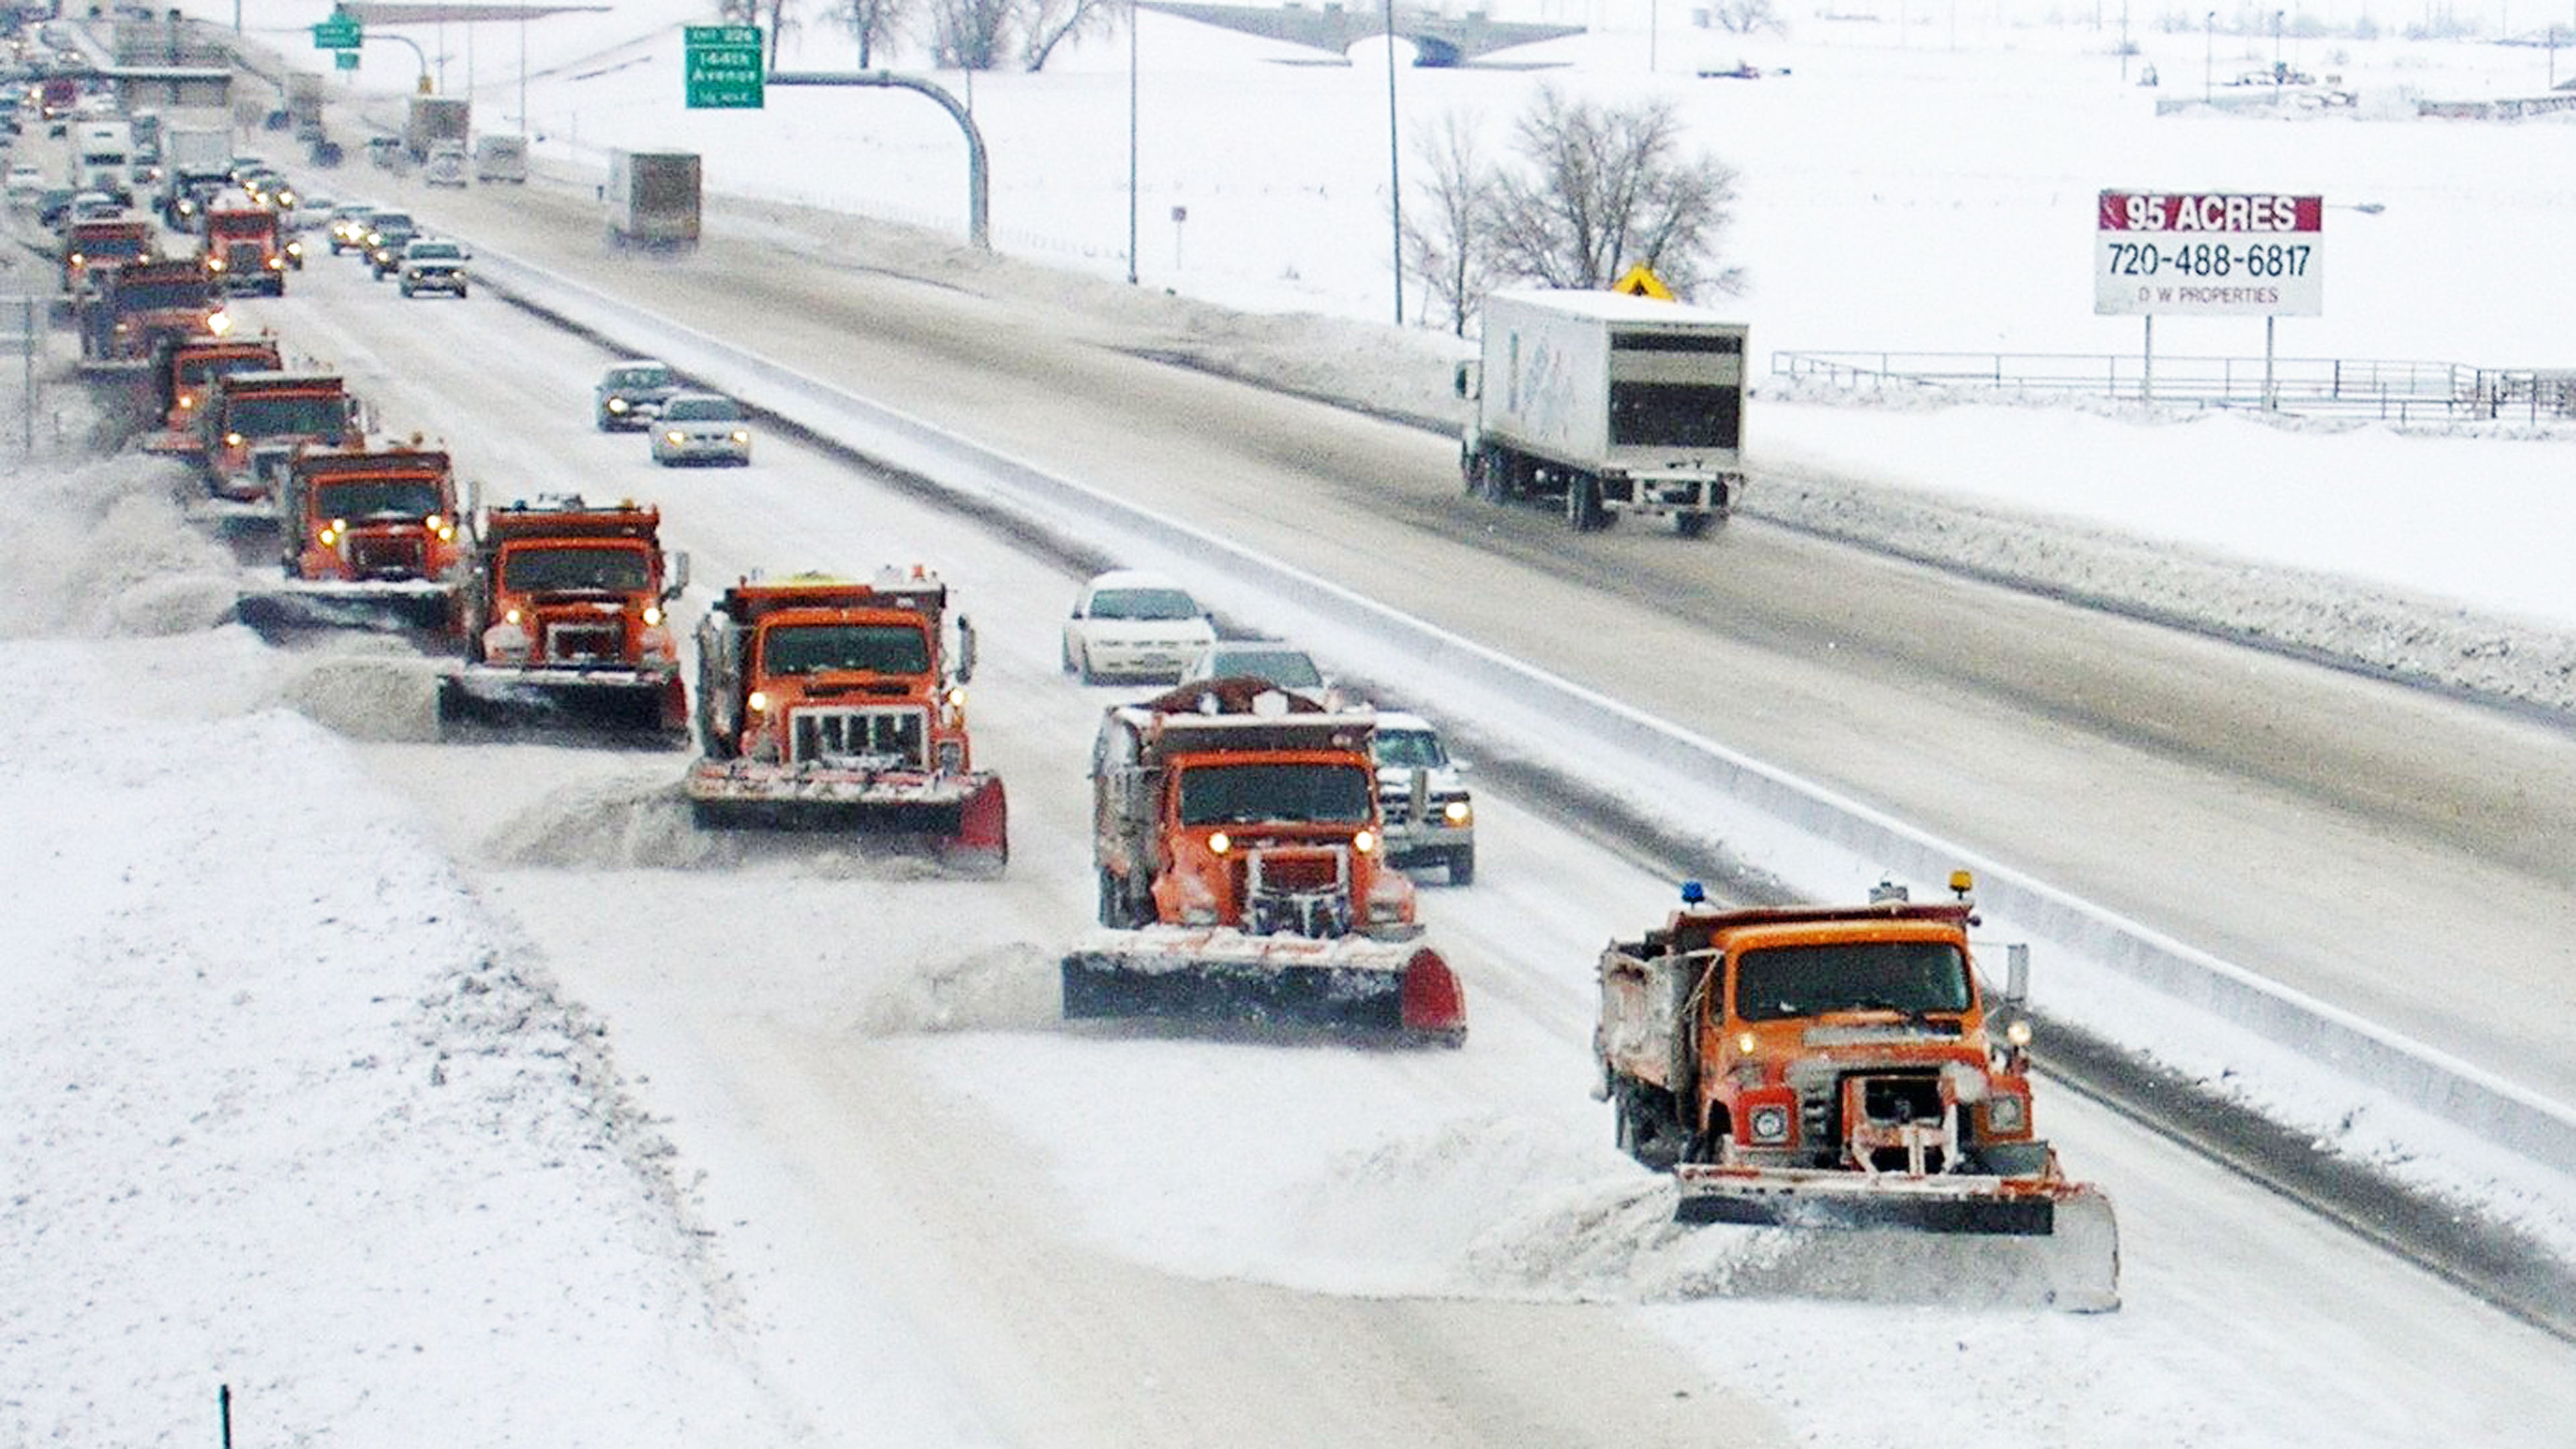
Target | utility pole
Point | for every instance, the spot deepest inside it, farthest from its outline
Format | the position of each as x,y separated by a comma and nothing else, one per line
1394,173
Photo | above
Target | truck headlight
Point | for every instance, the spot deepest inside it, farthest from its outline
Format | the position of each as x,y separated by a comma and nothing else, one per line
1457,812
1219,843
617,405
1769,1124
1364,841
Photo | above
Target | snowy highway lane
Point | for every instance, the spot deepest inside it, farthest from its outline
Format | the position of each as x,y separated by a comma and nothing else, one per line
2167,777
937,1199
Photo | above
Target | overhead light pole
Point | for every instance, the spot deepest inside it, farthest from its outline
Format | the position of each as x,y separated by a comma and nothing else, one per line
1131,142
1394,170
2209,57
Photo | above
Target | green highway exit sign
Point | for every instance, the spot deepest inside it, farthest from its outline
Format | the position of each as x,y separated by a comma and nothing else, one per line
723,67
340,32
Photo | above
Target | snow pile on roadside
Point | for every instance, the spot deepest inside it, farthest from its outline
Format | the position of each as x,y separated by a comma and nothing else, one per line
101,546
294,1116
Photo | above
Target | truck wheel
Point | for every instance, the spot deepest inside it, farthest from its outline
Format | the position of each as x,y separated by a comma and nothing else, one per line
1462,866
1692,525
1639,1134
1583,503
1113,902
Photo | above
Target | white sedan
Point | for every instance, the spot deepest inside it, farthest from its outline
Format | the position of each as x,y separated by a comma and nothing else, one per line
1128,623
698,427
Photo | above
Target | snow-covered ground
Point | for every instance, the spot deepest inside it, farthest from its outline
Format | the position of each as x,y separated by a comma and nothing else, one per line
413,1124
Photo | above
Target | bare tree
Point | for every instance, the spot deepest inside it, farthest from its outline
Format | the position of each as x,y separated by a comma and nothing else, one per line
1447,228
872,23
738,12
1606,188
971,34
1748,17
1046,24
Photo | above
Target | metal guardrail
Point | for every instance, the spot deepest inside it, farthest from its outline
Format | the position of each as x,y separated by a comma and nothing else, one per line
2394,391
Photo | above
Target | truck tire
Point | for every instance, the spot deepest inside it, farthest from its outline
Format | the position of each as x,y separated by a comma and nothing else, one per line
1692,525
1640,1134
1583,504
1117,908
1462,866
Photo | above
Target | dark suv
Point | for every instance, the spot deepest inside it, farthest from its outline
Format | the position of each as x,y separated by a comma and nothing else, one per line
631,394
388,232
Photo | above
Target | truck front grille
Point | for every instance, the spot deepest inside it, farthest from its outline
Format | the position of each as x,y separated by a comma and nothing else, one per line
387,556
593,640
870,738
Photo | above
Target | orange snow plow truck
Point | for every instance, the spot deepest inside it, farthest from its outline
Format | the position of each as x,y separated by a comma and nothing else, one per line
1842,1067
564,624
831,704
1242,873
371,543
184,373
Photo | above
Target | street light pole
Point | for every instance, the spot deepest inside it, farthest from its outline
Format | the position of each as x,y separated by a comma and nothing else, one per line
2209,58
1394,173
1131,142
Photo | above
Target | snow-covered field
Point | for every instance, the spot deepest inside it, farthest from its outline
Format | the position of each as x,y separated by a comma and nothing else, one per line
390,1185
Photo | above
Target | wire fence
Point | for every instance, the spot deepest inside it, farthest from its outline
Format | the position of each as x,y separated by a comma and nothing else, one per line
2395,391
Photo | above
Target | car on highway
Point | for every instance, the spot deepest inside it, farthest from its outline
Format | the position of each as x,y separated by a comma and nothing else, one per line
630,394
432,265
1412,764
388,232
700,427
349,226
1274,660
1134,624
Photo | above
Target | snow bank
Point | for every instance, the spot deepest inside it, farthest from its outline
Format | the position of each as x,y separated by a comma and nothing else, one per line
294,1116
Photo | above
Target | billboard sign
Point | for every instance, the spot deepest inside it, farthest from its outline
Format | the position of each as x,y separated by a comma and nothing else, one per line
2208,254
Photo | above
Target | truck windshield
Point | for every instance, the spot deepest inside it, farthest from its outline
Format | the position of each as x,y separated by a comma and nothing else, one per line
156,295
818,648
406,498
1408,749
112,246
1913,977
544,570
1143,604
1674,415
1267,794
195,371
279,417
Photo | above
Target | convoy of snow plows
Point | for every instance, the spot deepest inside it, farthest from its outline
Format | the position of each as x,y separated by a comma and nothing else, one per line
1829,1068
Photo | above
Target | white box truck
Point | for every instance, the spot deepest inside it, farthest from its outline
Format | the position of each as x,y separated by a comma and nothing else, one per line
103,158
653,200
1600,403
501,158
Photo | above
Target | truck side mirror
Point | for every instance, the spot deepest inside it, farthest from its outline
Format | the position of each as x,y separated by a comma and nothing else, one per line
965,649
1466,380
2016,974
679,576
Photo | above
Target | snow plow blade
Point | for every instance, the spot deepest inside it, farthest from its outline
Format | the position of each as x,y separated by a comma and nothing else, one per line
410,607
619,703
1401,990
963,818
2047,1242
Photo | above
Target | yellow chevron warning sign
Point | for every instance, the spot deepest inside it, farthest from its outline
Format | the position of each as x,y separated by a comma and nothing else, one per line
1641,281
